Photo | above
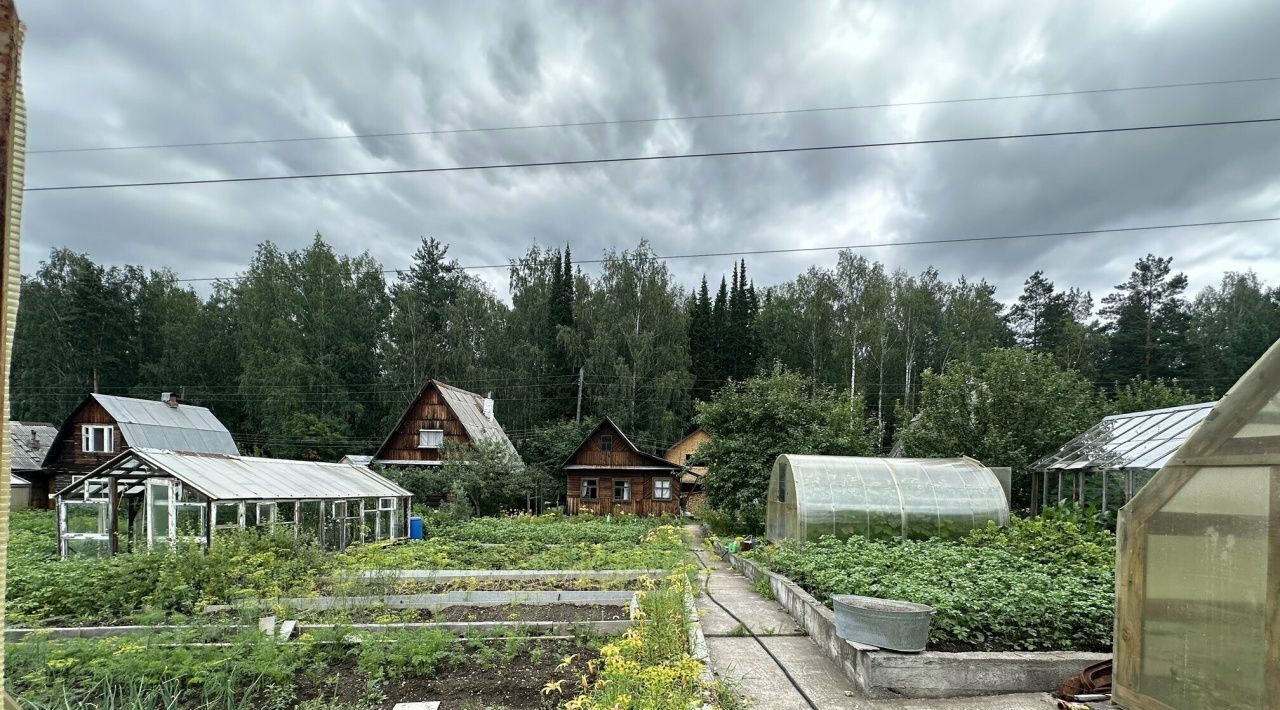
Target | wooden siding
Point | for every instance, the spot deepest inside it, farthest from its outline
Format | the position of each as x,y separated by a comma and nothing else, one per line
642,501
428,411
590,454
67,454
678,454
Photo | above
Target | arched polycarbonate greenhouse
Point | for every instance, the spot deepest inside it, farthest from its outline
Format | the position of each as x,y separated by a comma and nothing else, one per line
1198,581
812,496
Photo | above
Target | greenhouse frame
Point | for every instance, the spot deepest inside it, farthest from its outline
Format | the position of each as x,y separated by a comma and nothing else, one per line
812,496
1198,576
1114,459
149,498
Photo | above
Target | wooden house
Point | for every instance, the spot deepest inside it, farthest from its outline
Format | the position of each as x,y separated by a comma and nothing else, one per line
103,426
28,444
608,474
438,415
682,453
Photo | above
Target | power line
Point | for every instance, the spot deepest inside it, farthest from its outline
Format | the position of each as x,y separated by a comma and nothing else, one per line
869,245
648,158
656,119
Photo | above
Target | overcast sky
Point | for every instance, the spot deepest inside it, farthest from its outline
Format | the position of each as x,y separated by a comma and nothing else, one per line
127,73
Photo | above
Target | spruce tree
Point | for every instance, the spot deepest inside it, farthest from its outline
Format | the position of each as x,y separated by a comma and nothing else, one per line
720,334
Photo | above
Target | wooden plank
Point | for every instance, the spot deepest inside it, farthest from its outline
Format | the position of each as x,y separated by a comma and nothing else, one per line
1130,589
1271,625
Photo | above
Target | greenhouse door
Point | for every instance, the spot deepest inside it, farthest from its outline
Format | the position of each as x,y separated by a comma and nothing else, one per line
160,522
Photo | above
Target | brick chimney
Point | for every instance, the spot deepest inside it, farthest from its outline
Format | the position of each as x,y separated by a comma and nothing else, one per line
170,399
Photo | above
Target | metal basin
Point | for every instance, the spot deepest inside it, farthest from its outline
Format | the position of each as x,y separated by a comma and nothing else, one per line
886,623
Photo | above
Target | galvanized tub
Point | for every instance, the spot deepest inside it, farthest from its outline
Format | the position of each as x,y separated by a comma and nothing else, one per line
886,623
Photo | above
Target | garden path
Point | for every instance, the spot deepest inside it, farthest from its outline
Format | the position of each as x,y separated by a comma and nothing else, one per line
737,659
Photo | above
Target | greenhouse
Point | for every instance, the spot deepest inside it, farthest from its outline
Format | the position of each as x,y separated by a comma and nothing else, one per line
1114,458
812,496
1198,581
145,498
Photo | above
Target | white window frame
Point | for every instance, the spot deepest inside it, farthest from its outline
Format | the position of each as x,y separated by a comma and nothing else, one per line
663,491
108,438
423,439
626,490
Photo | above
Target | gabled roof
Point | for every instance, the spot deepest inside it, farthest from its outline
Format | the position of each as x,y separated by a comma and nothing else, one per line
223,477
153,424
468,407
31,443
655,461
1137,440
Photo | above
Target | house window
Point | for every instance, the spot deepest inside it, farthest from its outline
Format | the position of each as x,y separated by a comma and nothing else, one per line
97,439
606,442
430,438
590,489
622,490
662,489
688,458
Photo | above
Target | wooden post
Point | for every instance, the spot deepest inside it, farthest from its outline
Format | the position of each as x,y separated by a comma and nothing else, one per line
113,516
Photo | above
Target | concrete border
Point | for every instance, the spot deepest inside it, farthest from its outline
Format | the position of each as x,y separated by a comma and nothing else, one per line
930,674
698,648
462,575
606,628
435,602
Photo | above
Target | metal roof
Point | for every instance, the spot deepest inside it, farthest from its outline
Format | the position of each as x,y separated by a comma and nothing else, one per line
30,444
223,477
469,408
1138,440
153,424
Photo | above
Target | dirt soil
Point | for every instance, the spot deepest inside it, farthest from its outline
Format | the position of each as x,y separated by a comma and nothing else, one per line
470,686
545,612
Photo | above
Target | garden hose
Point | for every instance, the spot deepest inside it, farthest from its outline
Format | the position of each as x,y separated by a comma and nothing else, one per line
707,591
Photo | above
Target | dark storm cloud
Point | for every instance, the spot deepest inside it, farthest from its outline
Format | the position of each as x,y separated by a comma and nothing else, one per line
156,73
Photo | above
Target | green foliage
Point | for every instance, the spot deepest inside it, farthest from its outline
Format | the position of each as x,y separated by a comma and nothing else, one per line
1148,322
399,654
477,479
1139,395
42,588
1036,585
1008,409
752,422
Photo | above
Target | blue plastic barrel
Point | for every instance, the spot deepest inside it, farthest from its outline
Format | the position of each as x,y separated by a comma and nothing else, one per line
415,528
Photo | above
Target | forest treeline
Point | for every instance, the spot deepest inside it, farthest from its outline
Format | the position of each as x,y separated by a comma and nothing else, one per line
311,353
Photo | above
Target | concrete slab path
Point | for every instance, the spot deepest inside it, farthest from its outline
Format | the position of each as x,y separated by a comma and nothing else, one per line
737,659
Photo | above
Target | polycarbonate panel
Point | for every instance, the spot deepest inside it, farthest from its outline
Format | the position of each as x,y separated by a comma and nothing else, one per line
1203,640
812,496
1123,441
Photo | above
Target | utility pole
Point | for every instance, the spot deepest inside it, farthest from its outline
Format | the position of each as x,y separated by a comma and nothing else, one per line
581,370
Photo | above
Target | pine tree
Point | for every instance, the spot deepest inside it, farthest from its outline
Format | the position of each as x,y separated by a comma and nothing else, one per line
720,334
1149,320
702,350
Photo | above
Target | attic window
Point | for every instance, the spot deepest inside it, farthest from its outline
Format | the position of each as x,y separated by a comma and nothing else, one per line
606,442
97,439
430,438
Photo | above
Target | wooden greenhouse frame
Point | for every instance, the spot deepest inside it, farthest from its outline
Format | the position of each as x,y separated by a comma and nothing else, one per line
1198,575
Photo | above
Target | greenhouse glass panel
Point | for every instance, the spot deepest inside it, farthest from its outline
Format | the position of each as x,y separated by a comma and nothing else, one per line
812,496
1198,574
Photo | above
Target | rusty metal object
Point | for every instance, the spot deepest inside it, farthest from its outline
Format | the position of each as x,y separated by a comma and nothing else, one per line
1092,682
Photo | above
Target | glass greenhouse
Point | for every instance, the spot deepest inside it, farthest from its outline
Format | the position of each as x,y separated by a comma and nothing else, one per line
149,497
1116,457
1198,582
812,496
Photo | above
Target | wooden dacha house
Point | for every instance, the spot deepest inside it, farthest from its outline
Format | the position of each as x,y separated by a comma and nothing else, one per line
28,444
609,474
441,414
103,426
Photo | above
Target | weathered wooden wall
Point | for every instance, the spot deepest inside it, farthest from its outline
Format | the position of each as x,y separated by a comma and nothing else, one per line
642,501
428,411
68,457
621,455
